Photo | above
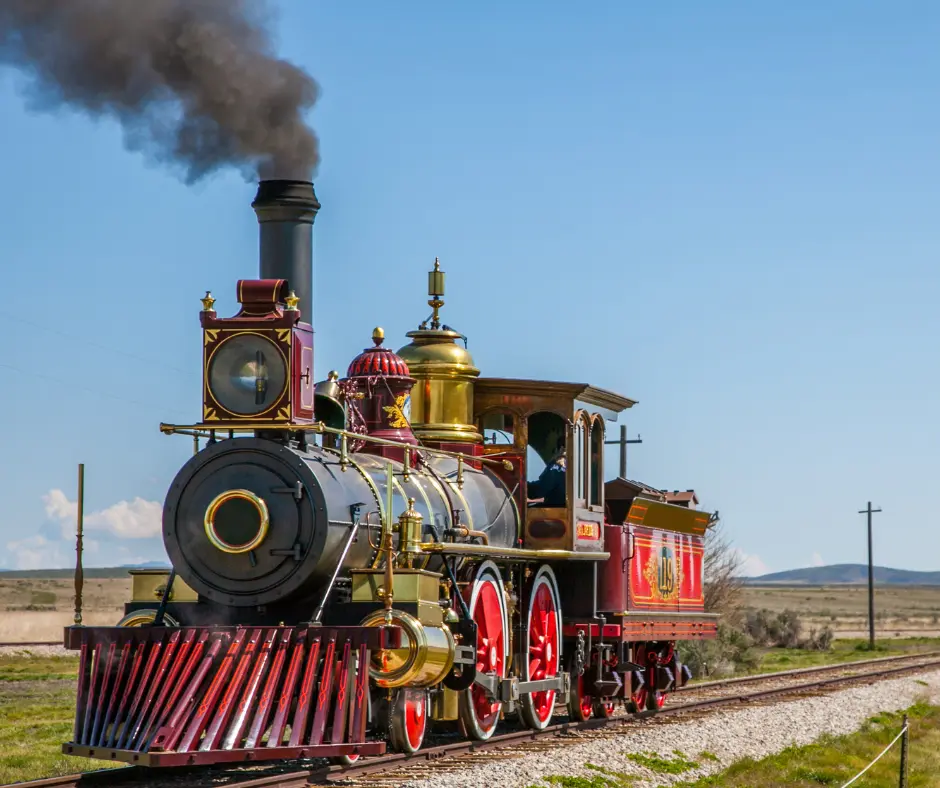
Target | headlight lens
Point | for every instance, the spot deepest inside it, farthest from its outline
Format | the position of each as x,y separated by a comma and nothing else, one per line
247,374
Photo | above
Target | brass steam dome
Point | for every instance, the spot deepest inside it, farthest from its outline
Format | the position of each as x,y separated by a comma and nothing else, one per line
442,396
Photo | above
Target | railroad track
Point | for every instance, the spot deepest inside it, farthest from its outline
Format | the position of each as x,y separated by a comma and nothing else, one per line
760,677
396,768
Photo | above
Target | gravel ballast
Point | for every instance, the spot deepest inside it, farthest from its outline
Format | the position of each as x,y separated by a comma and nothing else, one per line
730,735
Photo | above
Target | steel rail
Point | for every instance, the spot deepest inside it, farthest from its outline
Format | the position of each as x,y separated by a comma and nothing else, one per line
133,775
758,677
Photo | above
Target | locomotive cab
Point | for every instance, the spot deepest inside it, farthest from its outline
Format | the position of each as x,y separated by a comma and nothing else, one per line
532,418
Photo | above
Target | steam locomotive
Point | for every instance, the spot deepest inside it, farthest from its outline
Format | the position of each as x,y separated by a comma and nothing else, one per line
358,561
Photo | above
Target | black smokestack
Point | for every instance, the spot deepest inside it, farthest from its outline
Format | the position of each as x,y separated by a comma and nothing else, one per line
286,211
194,83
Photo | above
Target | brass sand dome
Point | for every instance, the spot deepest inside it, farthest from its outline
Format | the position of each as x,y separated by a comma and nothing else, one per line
442,396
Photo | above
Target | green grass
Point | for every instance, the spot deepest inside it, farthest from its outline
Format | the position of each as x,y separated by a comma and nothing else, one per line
833,760
605,778
37,697
848,650
667,765
28,668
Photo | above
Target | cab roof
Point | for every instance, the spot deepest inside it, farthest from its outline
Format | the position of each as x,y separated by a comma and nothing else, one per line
605,402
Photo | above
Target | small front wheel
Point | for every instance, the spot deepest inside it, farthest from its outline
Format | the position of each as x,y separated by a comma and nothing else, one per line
409,720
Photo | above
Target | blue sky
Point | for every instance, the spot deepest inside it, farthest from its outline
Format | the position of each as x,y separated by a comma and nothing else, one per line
723,210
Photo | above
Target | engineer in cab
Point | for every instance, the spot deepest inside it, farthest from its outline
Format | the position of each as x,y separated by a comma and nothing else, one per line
549,489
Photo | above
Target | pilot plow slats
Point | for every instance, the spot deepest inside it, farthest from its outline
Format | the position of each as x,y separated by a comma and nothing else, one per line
323,696
165,696
307,686
260,721
240,720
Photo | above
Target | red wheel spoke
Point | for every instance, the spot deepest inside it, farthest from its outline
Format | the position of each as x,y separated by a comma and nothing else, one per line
490,613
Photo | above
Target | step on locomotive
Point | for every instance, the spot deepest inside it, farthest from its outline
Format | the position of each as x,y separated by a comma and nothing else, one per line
360,561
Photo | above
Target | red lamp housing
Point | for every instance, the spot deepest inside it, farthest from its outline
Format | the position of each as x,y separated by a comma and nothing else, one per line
258,364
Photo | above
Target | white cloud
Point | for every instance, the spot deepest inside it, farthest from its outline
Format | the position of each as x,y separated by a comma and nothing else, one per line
817,560
137,519
37,552
751,565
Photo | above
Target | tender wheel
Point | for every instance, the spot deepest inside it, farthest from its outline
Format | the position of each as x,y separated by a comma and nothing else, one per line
478,714
409,720
602,709
645,699
544,647
580,704
346,760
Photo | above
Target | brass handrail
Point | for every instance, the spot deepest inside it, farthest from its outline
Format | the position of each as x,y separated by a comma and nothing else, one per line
206,431
493,551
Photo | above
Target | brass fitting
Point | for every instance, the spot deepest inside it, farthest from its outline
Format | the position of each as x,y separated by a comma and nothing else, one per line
410,529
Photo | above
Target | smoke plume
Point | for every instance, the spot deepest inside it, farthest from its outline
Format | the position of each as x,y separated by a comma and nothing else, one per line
193,83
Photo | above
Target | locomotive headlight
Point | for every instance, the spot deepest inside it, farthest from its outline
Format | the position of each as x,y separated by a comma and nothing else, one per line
247,374
237,521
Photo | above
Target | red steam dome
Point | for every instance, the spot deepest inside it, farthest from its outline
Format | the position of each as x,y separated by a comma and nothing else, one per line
378,361
378,387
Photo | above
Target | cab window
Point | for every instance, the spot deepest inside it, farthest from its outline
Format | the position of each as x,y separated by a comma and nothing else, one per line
546,460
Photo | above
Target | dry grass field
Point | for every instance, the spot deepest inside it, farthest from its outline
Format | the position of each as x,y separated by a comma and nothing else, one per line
37,609
900,611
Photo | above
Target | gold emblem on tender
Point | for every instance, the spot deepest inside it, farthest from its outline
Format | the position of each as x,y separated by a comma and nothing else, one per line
664,574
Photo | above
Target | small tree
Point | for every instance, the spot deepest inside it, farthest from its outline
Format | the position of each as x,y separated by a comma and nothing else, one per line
723,589
723,592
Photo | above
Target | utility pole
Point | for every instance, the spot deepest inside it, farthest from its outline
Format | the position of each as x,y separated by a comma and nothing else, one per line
871,581
623,448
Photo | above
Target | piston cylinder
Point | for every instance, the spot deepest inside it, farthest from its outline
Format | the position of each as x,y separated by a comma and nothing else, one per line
424,659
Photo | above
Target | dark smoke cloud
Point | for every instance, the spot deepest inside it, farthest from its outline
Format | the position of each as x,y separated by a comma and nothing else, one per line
194,83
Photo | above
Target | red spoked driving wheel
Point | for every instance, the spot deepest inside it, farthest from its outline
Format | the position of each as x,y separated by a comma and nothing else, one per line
544,648
479,714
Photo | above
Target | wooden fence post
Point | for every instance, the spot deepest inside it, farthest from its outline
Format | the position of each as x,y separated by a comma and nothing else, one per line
79,574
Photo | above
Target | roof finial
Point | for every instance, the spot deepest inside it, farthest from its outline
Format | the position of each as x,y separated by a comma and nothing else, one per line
436,290
378,336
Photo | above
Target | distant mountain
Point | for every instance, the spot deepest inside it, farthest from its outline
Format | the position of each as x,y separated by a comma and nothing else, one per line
147,565
846,574
89,572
